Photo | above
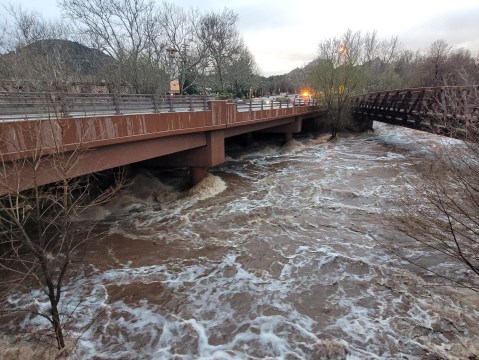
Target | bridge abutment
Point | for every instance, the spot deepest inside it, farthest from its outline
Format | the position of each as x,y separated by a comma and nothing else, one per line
198,159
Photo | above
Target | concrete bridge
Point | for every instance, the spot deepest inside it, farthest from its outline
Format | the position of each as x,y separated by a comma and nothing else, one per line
45,138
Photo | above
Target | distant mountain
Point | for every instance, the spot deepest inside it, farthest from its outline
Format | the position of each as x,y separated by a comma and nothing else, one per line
60,60
298,72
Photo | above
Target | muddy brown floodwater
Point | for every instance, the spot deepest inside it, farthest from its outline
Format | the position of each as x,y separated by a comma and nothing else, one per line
275,255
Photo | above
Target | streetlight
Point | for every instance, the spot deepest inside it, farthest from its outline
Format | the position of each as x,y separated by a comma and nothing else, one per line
174,84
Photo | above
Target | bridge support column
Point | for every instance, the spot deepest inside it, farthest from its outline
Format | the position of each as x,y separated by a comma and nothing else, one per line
197,173
287,129
363,123
198,159
247,139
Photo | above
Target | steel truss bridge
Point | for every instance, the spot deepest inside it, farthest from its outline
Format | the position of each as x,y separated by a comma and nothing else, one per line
448,110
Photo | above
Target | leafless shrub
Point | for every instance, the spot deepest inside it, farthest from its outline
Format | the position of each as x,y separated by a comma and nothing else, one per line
441,212
41,227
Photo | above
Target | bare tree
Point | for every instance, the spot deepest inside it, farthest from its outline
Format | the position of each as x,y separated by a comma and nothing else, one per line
3,49
3,35
461,68
127,30
441,213
179,28
26,27
407,68
434,61
240,73
39,227
33,49
339,74
218,33
379,57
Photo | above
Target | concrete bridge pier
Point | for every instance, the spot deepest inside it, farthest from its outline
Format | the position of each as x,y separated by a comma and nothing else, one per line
198,159
287,129
247,139
362,123
197,173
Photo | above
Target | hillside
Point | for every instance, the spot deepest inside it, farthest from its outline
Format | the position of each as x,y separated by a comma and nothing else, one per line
54,61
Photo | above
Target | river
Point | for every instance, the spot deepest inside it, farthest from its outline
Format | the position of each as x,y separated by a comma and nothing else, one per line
280,253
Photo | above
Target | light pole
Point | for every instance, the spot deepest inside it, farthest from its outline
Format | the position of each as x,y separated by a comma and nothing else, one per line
173,84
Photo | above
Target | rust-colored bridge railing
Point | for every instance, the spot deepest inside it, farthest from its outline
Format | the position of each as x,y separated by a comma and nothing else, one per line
439,108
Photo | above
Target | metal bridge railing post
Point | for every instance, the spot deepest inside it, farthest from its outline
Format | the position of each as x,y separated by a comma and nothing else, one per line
116,103
191,103
63,105
156,108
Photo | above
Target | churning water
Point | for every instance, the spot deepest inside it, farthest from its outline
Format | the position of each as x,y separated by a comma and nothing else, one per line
278,254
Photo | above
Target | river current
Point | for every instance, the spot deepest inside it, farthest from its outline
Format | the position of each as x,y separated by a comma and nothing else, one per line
281,253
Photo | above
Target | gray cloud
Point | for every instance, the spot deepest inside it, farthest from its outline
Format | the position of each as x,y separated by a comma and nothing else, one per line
264,16
458,28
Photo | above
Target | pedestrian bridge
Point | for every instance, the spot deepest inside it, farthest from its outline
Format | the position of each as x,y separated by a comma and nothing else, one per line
447,110
47,137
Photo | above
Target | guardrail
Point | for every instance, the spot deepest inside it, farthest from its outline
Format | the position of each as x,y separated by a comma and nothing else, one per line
38,105
18,106
272,103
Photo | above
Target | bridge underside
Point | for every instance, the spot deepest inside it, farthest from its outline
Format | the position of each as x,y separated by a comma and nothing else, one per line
395,118
437,123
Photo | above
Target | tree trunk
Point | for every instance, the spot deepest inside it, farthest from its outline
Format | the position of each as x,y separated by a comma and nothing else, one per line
57,326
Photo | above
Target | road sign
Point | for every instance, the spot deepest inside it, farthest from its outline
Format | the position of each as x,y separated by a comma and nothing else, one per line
174,87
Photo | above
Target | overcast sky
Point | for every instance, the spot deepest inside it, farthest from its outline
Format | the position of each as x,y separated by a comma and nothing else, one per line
284,34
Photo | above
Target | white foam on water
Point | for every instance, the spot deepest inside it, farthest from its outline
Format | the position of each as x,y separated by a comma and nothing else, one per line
269,150
210,186
147,194
293,145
